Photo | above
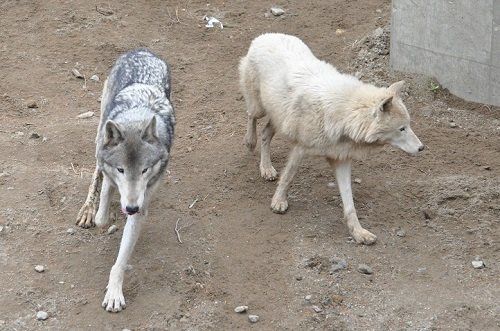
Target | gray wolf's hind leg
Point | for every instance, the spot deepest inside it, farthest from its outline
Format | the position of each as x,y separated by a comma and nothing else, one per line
86,215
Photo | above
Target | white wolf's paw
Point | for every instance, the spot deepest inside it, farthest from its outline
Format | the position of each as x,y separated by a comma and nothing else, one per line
251,142
364,237
269,174
114,301
86,215
101,219
279,206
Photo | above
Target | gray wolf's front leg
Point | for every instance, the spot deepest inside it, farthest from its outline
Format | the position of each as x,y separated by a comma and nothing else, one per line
86,215
343,174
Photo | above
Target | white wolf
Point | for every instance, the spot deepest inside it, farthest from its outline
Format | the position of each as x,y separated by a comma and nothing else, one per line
322,112
133,146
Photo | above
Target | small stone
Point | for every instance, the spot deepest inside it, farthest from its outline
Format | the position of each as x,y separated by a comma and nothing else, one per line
112,229
365,269
337,298
299,278
378,11
34,135
453,125
76,73
487,168
276,11
39,268
32,104
70,231
95,78
357,180
427,214
86,115
240,309
401,233
337,264
422,270
308,297
126,330
478,264
42,315
1,228
339,32
378,32
317,309
331,185
253,318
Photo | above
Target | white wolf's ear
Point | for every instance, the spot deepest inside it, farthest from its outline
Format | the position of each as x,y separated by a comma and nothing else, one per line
113,134
397,87
150,133
384,106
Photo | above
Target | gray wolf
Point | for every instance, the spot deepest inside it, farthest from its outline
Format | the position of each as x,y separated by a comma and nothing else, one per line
322,112
133,144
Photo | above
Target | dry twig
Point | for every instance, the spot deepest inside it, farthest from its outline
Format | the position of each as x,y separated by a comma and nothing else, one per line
177,230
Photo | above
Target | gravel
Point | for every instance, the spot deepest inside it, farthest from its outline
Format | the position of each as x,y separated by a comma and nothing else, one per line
365,269
42,315
240,309
39,268
112,229
253,318
276,11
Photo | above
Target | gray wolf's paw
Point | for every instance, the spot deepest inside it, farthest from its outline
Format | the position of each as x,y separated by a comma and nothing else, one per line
279,206
364,237
114,301
86,215
269,174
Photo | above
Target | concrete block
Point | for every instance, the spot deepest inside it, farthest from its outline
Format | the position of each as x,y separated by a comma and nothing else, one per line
457,42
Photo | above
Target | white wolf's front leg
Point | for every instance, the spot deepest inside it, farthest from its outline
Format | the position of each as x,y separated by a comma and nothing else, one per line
343,174
114,300
86,215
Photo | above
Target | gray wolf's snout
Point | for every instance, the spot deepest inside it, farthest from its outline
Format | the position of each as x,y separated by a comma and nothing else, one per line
132,210
421,148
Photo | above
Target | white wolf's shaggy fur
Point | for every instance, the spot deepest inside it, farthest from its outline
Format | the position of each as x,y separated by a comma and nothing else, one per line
322,112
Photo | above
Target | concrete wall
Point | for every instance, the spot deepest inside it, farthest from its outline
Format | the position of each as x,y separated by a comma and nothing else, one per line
455,41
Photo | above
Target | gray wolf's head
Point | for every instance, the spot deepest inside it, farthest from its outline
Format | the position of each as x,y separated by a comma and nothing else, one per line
133,158
392,122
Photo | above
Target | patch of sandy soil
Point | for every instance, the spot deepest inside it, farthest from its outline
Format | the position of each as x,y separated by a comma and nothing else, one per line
433,213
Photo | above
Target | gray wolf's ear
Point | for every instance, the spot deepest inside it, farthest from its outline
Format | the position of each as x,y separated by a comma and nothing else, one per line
113,134
397,87
150,133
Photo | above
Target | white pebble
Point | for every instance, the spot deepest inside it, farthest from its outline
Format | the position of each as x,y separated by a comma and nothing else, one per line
357,180
95,78
240,309
276,11
308,297
39,268
77,73
253,318
42,315
478,264
317,309
70,231
112,229
86,115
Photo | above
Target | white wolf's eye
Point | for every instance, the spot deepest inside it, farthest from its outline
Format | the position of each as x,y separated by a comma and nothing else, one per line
145,170
120,170
402,129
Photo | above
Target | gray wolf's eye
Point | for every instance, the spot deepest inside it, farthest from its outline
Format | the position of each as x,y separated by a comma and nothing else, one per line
145,170
120,170
402,129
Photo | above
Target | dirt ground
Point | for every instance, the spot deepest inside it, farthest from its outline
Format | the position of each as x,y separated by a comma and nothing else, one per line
433,213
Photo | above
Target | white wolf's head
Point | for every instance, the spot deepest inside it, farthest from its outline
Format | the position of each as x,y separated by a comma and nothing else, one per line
392,122
133,158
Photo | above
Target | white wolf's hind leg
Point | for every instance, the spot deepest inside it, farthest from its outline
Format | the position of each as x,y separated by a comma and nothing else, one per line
343,174
279,204
251,135
85,218
107,190
267,170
